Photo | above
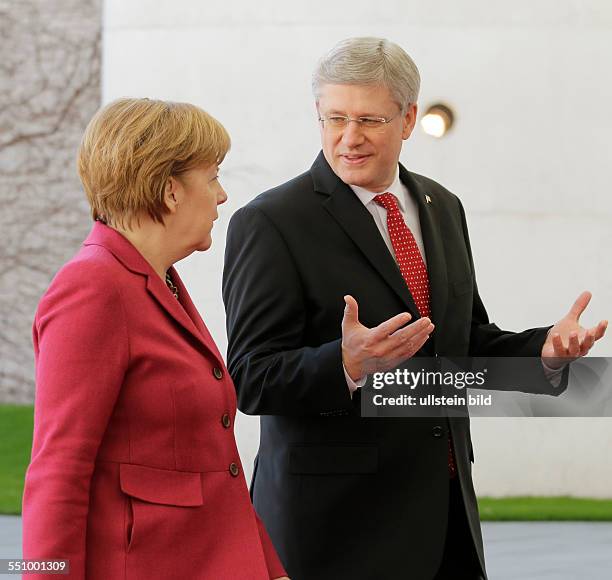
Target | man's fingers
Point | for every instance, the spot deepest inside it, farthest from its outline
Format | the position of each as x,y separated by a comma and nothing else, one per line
406,333
600,329
587,342
591,336
384,329
409,348
351,311
402,344
580,305
558,346
573,347
407,341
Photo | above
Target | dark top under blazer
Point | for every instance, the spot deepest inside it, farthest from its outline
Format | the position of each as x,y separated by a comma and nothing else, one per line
344,496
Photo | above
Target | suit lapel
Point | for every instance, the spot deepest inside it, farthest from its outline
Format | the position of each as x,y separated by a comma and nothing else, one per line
356,221
434,248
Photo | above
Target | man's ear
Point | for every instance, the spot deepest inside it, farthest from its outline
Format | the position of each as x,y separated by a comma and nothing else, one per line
171,194
409,121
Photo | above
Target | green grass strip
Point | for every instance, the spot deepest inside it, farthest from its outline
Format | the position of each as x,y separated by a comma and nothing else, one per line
552,509
16,423
16,439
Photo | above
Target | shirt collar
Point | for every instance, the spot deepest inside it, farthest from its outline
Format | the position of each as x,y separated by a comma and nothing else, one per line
396,188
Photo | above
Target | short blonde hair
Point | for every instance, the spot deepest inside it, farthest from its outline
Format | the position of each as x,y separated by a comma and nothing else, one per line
131,147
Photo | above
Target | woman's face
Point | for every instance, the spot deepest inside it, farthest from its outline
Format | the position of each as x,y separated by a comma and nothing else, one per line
198,193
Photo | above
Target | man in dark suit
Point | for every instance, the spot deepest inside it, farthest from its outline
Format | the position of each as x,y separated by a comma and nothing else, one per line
351,268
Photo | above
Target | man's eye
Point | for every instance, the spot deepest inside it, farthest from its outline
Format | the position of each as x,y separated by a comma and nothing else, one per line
371,122
336,119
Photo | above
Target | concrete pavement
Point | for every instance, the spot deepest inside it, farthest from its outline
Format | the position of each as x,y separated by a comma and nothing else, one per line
525,550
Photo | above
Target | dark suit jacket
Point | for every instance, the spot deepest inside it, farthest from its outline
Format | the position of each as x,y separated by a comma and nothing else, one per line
344,496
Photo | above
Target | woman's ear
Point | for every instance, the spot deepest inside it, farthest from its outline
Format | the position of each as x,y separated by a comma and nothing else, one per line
171,194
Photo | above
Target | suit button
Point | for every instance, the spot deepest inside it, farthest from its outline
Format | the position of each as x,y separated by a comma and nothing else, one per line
226,420
437,431
218,373
234,470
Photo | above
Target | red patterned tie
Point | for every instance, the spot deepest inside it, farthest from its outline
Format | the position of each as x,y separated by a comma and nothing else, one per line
407,253
413,270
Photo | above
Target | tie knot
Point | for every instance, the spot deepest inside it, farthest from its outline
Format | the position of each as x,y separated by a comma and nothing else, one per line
388,201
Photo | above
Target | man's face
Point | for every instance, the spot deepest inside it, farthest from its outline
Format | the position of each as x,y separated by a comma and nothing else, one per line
358,155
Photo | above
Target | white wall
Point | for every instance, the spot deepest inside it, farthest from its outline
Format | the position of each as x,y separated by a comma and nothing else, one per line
529,156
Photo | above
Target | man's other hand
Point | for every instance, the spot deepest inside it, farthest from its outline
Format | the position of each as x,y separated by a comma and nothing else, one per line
567,340
367,350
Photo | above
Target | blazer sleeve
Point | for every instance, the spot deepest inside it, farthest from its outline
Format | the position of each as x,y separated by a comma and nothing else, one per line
274,373
81,350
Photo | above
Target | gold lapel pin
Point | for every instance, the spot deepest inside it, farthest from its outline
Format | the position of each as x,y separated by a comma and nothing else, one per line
428,199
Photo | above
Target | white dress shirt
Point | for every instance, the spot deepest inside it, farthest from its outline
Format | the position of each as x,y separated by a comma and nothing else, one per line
407,206
410,212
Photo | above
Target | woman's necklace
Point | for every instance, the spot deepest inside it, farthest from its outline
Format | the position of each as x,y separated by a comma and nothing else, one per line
171,285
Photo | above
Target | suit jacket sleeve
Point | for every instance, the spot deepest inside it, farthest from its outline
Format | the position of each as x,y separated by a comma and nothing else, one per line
81,349
488,340
274,373
275,567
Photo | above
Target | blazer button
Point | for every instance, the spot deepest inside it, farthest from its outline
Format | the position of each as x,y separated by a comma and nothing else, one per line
226,420
234,470
218,373
437,431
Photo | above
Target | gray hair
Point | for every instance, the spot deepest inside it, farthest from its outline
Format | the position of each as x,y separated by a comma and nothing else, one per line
369,61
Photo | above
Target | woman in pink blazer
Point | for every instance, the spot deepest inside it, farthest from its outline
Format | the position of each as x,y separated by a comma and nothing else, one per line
135,472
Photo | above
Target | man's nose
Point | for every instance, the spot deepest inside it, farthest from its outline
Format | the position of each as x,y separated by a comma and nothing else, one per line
352,134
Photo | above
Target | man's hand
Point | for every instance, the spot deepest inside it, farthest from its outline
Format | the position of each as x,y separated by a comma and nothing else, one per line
567,340
366,350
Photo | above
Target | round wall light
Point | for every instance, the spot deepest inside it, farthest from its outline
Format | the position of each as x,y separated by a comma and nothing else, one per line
437,120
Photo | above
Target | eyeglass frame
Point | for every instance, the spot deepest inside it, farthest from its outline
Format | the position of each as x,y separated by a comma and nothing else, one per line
360,120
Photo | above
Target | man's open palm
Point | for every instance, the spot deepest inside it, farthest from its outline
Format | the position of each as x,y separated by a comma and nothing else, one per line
567,340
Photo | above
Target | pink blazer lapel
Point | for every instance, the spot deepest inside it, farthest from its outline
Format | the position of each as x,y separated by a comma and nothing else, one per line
182,311
189,309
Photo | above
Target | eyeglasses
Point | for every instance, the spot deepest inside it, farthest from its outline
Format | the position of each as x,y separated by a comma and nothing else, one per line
337,122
